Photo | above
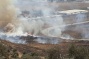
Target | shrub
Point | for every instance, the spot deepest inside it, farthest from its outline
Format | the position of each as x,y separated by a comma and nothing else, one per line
30,56
78,52
7,52
53,53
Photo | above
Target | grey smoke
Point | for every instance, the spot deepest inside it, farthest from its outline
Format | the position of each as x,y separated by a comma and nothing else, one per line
11,38
48,26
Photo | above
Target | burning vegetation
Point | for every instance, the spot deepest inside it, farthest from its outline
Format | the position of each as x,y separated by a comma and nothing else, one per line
33,29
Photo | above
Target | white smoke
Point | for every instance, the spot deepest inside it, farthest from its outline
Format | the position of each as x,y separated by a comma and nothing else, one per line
36,26
14,24
8,21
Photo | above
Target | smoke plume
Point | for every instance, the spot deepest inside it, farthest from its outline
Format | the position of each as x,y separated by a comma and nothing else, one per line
7,12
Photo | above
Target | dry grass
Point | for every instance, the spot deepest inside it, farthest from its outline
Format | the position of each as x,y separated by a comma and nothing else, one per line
70,5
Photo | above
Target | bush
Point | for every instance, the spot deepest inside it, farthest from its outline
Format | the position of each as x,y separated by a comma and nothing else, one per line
72,51
30,56
53,53
4,52
7,52
78,52
33,54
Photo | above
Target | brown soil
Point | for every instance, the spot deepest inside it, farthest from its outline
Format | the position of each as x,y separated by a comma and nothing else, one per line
42,48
